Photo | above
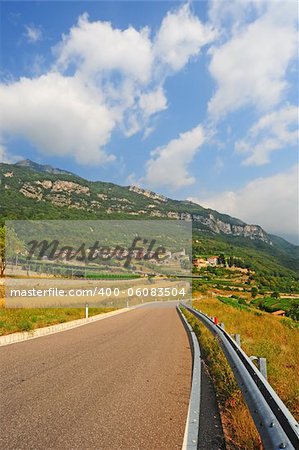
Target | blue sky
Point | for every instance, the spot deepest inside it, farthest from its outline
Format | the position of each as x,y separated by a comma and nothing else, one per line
194,100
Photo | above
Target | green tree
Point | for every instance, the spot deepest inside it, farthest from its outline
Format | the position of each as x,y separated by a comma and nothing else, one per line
221,259
293,312
275,294
254,291
16,246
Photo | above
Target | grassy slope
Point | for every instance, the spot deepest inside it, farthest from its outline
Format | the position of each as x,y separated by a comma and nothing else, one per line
274,268
261,335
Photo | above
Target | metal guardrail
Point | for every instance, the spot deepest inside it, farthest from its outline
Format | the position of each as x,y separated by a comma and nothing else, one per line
192,423
276,425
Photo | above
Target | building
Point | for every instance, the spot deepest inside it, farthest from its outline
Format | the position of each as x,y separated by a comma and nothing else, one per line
212,260
279,313
199,263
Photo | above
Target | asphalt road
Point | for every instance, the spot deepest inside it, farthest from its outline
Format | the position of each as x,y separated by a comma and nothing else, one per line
120,383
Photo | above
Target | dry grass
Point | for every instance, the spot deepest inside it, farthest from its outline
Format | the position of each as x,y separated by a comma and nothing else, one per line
261,335
266,336
27,319
239,429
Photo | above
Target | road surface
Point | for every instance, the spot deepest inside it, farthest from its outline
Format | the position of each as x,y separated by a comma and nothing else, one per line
120,383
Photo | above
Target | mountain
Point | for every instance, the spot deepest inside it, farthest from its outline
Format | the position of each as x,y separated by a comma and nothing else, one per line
33,191
44,168
66,194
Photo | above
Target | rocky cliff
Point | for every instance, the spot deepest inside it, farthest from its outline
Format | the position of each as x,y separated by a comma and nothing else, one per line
60,194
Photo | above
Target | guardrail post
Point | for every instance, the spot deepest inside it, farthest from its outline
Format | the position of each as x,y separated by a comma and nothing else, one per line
86,311
262,363
237,339
222,325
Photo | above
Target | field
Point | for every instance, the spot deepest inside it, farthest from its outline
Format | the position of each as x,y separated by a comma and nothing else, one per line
262,335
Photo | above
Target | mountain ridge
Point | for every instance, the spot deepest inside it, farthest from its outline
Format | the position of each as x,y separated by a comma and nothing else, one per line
60,189
33,193
44,168
73,192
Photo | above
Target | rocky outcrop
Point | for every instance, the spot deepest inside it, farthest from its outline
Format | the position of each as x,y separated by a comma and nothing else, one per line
102,196
30,191
8,174
76,193
70,186
147,193
59,200
218,226
46,184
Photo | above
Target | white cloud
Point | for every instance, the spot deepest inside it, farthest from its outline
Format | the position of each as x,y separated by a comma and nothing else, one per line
103,79
271,202
153,102
59,115
32,33
272,132
250,67
181,36
97,47
168,165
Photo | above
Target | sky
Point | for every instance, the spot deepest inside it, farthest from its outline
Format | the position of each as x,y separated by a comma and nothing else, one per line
194,100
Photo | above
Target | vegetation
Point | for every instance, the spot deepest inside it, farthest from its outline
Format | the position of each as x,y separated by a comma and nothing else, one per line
108,276
238,426
267,269
27,319
15,247
234,301
271,304
267,336
262,335
273,267
119,199
254,291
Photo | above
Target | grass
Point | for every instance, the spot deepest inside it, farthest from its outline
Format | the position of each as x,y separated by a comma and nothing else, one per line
273,304
27,319
235,302
261,335
267,336
116,276
238,426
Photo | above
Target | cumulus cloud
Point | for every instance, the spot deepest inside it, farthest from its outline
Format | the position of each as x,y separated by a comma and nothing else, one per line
272,132
59,116
168,165
250,67
271,202
98,48
32,33
102,79
181,36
